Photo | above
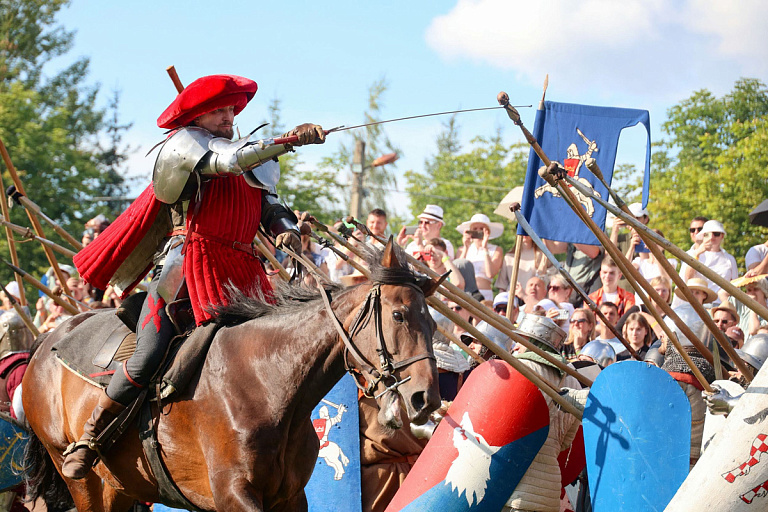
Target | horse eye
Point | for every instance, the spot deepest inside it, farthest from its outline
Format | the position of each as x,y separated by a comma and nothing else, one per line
398,316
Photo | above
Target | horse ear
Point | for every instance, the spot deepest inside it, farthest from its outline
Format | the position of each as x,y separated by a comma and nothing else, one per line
389,258
430,286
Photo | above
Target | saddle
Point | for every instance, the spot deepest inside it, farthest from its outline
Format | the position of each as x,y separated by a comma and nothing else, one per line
96,357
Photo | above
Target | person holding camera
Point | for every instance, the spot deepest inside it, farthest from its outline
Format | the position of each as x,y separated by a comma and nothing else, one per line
485,258
436,257
430,223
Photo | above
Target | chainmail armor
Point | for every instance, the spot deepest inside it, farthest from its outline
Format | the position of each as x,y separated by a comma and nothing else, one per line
674,362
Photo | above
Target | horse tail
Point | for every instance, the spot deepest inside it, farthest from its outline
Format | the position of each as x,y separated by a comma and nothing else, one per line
42,479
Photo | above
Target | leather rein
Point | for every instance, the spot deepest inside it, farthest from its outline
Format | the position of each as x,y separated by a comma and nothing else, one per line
371,311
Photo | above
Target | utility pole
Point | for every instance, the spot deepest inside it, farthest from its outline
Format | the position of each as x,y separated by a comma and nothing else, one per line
358,162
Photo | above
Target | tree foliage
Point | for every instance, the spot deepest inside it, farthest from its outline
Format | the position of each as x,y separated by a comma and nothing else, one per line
713,163
65,149
377,180
465,182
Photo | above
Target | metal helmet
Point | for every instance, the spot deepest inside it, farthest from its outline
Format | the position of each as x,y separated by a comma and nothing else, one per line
654,357
542,329
572,151
14,335
600,352
694,322
441,320
755,350
496,336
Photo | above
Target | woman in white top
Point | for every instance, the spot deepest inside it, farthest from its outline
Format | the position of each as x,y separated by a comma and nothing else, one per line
486,258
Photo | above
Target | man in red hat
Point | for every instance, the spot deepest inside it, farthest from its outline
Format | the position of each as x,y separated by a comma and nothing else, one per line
195,224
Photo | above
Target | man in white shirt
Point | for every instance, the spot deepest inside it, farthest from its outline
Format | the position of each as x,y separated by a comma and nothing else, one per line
711,254
430,224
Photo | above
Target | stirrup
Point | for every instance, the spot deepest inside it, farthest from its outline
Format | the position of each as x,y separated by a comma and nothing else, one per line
90,444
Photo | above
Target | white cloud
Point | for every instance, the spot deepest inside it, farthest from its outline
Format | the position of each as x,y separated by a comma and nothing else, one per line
639,46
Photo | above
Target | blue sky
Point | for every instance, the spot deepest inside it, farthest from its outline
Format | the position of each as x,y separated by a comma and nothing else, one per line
320,58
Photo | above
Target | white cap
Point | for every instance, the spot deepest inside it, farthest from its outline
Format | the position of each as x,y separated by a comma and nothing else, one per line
638,210
501,298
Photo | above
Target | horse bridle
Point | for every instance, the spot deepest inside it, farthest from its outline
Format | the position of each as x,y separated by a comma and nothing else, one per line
371,311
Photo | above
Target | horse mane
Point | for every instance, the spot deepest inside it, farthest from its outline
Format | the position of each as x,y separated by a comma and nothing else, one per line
287,298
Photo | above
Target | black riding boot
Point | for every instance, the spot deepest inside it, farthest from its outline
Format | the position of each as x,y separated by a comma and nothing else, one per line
80,460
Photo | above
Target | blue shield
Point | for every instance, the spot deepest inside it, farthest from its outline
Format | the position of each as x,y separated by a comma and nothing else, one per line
335,482
13,439
637,437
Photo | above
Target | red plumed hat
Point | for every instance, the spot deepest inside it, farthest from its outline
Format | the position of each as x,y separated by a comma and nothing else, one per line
205,95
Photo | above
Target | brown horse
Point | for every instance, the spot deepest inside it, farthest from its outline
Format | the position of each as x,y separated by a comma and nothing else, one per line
241,439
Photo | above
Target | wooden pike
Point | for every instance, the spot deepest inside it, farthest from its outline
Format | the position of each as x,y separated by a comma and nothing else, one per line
513,282
171,70
576,286
627,268
22,314
482,312
658,253
505,356
262,248
689,260
33,219
29,235
636,280
40,286
463,346
29,204
12,245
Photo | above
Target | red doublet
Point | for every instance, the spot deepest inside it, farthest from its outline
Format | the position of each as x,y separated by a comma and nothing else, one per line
223,227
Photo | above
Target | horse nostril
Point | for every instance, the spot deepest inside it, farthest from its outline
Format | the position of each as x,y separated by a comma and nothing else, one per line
418,401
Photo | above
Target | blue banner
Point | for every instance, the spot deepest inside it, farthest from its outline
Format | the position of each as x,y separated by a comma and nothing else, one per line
569,134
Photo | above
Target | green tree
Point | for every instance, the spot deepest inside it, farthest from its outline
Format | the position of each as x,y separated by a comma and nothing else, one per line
713,164
465,182
52,127
377,180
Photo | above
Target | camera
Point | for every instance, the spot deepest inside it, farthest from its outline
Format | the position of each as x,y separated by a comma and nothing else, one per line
476,233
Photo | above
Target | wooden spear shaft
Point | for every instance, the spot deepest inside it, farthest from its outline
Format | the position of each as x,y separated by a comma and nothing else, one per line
576,286
504,355
33,219
634,278
12,244
620,259
28,203
28,234
22,314
482,312
262,247
679,282
40,286
513,282
478,310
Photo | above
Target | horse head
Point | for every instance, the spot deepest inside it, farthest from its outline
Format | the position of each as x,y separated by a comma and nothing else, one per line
394,329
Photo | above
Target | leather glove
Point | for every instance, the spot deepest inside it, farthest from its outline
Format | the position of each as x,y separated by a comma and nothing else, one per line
308,133
305,222
289,239
719,402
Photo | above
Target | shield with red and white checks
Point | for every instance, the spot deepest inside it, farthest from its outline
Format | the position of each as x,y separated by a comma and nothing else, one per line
734,467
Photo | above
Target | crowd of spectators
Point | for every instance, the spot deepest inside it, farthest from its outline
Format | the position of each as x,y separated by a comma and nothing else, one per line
484,270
